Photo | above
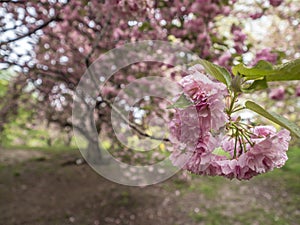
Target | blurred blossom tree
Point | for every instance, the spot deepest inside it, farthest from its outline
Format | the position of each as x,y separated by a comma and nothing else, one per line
277,42
52,42
10,97
19,123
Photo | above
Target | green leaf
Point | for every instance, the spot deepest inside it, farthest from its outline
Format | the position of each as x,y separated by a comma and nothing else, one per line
181,103
284,72
220,152
3,87
256,85
218,72
276,118
262,68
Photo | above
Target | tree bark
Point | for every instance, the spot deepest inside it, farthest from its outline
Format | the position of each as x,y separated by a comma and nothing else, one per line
94,155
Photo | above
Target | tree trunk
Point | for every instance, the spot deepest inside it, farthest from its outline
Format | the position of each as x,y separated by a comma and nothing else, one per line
94,155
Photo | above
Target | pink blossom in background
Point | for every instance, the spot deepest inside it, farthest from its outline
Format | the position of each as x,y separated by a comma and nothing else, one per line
226,10
108,91
224,59
267,55
277,93
276,3
298,91
256,15
238,34
239,38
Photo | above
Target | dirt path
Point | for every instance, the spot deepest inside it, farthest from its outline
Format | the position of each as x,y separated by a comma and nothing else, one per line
11,157
42,192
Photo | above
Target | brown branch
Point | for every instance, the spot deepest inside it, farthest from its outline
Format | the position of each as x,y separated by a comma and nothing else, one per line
10,1
98,38
56,18
132,125
11,28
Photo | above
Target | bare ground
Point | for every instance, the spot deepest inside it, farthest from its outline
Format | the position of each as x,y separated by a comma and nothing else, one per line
37,189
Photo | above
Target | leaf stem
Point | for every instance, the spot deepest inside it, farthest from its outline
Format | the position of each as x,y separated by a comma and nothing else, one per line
235,143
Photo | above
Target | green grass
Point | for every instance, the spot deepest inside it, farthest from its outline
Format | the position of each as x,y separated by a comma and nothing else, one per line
214,216
48,149
210,217
286,179
208,186
289,174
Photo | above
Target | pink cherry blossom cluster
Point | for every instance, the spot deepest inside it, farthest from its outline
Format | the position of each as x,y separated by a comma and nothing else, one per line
208,108
267,152
197,135
239,38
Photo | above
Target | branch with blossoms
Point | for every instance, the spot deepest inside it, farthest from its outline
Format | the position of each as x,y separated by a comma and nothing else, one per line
222,143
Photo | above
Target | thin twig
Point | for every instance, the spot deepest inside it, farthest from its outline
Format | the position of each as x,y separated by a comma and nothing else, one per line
132,125
10,1
30,32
